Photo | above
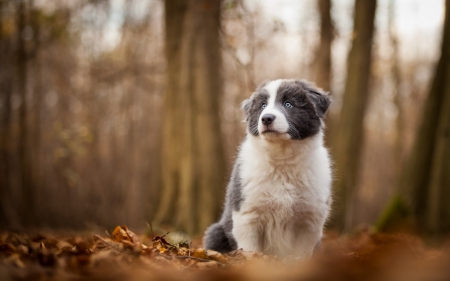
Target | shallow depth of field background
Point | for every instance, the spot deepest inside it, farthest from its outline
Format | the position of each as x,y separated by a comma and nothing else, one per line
83,84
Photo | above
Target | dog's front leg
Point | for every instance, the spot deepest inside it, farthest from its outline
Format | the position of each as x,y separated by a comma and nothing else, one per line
306,240
247,232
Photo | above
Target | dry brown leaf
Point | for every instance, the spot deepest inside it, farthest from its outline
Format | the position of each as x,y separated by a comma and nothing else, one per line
42,246
119,234
363,256
200,253
15,260
133,237
213,255
61,245
7,249
183,251
207,265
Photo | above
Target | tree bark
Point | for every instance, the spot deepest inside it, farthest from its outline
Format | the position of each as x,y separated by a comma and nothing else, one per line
25,159
429,174
425,181
5,125
438,211
193,160
322,62
349,134
395,72
38,90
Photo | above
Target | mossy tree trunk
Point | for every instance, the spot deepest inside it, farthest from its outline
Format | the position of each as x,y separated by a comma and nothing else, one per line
193,161
348,138
425,180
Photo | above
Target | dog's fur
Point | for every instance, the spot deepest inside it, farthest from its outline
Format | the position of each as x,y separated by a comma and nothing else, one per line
278,198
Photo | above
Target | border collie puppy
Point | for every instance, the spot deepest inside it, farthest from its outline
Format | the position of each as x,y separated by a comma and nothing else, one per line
278,198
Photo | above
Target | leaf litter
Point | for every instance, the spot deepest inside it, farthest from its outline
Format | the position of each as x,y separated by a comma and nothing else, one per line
121,255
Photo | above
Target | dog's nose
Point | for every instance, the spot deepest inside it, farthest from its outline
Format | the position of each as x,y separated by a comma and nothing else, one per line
267,119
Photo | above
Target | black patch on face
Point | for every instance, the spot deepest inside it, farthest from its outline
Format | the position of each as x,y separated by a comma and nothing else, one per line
320,100
309,105
253,108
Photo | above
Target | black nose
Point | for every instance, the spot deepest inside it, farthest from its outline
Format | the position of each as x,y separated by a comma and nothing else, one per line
267,119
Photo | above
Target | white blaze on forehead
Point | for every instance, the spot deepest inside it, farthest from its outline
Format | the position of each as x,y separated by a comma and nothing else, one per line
272,88
280,123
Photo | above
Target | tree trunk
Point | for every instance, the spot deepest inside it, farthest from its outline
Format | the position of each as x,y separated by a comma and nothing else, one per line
438,210
349,134
427,175
25,160
193,160
38,90
395,72
322,62
425,181
5,125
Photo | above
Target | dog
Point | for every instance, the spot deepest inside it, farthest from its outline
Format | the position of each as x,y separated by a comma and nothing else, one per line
279,195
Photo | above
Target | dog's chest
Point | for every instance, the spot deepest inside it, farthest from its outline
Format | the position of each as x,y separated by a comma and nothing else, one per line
284,192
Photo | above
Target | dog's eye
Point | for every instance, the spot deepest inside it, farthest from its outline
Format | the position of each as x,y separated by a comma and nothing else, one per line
288,104
264,106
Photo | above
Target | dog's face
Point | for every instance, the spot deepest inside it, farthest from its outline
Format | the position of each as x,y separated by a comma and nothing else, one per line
286,109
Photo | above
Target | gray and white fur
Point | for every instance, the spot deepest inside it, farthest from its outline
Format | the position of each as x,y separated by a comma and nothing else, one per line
279,194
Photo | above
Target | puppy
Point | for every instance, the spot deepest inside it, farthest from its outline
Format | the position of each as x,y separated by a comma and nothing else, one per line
278,198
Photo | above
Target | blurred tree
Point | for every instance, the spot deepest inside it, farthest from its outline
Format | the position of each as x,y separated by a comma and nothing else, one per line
396,76
323,58
425,180
193,160
38,90
94,83
348,137
70,114
322,62
24,149
5,119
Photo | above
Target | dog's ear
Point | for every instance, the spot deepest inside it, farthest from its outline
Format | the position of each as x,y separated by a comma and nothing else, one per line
246,106
320,99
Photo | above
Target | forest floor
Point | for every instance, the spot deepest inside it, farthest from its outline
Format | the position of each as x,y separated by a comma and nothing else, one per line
123,255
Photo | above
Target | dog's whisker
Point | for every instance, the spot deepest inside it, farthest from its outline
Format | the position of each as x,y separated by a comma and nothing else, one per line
254,129
293,131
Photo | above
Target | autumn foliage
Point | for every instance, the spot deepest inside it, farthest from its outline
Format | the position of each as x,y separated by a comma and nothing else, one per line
123,255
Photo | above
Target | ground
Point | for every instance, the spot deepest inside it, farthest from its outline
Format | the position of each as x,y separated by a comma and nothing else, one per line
123,255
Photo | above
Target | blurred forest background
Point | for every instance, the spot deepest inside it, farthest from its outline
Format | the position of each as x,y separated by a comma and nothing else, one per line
128,111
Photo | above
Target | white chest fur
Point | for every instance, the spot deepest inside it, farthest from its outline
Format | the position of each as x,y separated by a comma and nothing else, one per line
286,188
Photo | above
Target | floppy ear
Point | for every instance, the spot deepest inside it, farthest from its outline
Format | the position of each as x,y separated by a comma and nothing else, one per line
246,106
321,101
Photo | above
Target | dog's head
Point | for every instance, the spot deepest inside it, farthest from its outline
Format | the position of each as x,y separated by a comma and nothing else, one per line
286,109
